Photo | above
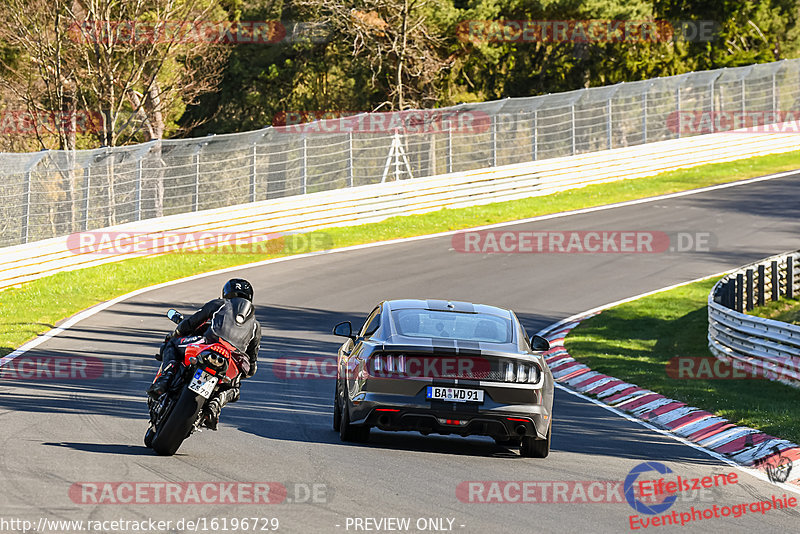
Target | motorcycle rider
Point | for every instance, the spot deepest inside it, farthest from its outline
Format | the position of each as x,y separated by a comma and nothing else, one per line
232,318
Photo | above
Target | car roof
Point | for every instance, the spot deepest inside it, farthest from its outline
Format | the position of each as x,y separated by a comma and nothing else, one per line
447,305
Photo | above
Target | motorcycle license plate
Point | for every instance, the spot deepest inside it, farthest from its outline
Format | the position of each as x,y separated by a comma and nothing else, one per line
203,383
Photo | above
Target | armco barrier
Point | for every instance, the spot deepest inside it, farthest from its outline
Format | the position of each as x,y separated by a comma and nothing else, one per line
764,346
372,203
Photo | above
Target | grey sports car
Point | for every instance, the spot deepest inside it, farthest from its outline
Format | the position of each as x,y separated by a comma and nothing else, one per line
444,367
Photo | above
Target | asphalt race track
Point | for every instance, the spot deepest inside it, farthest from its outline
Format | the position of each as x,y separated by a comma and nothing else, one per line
56,433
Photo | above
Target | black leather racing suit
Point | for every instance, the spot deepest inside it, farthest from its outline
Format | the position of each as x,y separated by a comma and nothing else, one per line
192,326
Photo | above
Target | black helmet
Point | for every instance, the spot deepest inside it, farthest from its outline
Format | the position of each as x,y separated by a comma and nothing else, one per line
237,287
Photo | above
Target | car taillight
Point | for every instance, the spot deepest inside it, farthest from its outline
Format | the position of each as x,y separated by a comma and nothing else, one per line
522,372
388,364
509,371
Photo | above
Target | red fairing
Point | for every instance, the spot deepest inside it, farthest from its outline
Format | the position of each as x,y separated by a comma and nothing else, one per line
233,369
222,347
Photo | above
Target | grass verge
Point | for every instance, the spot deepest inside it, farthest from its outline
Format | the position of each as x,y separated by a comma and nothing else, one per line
786,310
34,308
634,341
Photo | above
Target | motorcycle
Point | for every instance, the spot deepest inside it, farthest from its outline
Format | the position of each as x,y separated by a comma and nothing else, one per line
178,413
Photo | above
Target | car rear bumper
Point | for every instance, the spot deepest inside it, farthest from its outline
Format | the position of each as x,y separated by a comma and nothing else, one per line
490,419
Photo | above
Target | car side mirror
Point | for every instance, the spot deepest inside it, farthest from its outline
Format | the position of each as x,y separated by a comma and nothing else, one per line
539,344
344,329
175,316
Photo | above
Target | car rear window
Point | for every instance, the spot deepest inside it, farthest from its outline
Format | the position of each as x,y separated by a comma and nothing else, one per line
452,325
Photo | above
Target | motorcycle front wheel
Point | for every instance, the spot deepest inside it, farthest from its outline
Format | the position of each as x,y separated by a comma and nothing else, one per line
179,424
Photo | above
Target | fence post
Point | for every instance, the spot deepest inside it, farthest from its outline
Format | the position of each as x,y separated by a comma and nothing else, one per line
350,158
449,147
87,180
761,284
572,119
678,108
776,281
644,117
26,206
197,150
790,276
744,106
304,167
713,82
494,140
730,294
739,292
535,139
749,289
253,171
608,125
139,188
774,94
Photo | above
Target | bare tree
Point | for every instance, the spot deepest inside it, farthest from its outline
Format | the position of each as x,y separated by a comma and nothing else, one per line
404,50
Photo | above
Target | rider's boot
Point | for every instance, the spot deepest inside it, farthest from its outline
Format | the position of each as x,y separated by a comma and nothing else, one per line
215,405
159,386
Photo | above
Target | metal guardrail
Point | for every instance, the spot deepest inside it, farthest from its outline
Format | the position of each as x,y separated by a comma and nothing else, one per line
55,193
372,203
761,346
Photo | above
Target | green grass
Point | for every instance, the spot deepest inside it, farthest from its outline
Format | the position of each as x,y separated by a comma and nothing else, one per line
634,341
786,310
34,307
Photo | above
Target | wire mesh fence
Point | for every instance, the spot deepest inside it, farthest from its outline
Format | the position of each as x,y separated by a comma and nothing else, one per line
54,193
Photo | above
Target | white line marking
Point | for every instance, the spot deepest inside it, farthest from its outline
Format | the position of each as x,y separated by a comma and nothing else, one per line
72,321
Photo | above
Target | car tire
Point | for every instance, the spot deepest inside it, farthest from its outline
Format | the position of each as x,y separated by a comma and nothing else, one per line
148,437
337,409
536,448
351,433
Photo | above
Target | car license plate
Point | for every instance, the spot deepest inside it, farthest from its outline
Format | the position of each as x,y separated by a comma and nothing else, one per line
203,383
454,394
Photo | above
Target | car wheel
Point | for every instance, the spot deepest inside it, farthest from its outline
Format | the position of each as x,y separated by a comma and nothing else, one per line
352,433
536,448
337,409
